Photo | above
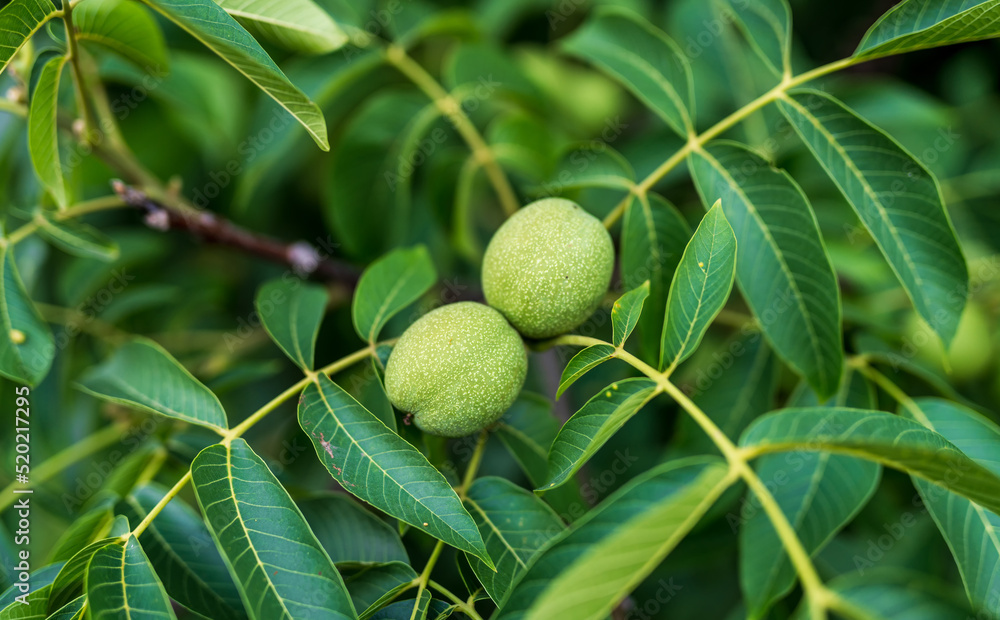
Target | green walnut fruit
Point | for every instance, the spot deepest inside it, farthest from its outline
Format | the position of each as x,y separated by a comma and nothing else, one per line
457,369
548,267
970,352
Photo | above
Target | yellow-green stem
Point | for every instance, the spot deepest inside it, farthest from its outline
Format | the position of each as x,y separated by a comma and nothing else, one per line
62,460
466,608
73,55
696,142
474,463
160,505
425,577
82,208
452,109
893,390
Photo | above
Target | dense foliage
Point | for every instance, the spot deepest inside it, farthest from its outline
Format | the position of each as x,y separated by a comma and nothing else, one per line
220,216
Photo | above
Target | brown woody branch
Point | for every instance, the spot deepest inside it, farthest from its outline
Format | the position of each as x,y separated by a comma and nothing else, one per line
301,257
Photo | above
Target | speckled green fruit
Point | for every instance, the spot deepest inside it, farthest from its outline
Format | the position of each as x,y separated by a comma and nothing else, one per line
970,352
548,267
457,369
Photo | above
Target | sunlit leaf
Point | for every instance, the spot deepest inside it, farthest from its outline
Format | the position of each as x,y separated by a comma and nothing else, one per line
298,25
211,25
142,374
125,28
280,568
18,21
700,287
626,311
43,135
921,24
581,363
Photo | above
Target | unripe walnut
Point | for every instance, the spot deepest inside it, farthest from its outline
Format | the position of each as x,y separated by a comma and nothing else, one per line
457,369
548,267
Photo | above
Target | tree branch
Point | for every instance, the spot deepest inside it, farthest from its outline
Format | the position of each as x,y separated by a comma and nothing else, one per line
301,257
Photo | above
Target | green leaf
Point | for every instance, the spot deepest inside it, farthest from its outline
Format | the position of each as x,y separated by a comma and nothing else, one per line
733,390
280,568
591,427
291,312
39,579
297,25
121,584
26,344
594,583
920,24
125,28
514,524
76,237
590,165
877,436
43,135
351,533
34,610
380,467
643,59
184,556
629,504
896,197
373,586
527,430
212,26
782,266
18,21
582,363
653,237
626,312
88,526
885,595
819,493
71,610
767,25
389,285
700,287
142,374
971,531
70,580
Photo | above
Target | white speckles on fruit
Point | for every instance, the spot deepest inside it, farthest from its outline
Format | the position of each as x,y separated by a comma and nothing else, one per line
548,267
457,369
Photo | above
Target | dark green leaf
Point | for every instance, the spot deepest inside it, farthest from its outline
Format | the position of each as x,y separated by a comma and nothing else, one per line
291,312
514,524
896,197
590,165
121,584
781,263
380,467
142,374
349,532
700,288
876,436
184,556
70,580
280,568
885,596
389,285
768,27
372,586
591,427
653,239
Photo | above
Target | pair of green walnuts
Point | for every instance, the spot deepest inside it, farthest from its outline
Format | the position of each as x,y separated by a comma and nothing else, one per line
458,368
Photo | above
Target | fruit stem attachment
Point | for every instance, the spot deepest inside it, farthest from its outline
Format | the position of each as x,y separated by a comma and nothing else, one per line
452,109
